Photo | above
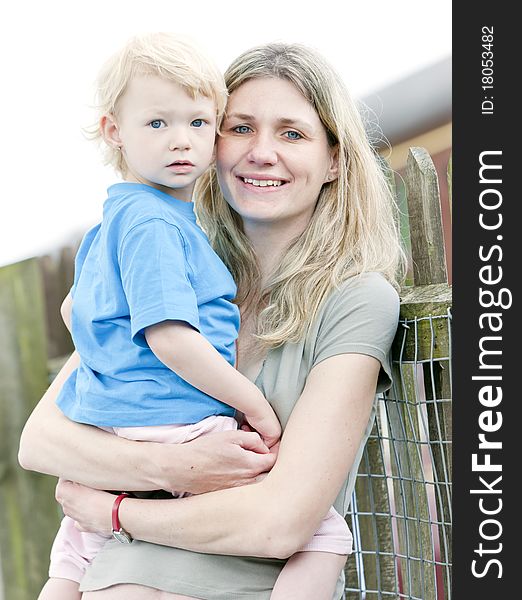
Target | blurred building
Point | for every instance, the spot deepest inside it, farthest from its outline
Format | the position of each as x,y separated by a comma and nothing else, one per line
416,111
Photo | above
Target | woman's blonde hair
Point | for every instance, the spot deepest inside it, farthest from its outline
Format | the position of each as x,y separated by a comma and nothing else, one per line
168,55
353,228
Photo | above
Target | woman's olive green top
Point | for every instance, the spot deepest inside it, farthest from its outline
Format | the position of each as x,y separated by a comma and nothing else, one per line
359,317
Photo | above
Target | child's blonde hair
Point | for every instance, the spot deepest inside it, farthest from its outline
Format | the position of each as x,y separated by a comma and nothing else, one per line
165,54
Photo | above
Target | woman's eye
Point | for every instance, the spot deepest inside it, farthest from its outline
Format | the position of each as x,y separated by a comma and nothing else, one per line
156,124
197,123
293,135
241,129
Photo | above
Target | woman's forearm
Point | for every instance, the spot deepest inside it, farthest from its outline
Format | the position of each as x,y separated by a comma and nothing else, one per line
51,443
240,521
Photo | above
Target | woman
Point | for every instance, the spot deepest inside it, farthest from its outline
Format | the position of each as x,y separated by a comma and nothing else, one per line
304,222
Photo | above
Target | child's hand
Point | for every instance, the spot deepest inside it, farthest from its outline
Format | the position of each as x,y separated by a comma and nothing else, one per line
265,423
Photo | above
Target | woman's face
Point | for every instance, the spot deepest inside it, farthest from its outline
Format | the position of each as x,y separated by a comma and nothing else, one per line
273,155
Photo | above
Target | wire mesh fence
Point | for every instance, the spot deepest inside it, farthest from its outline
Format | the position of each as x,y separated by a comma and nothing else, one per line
401,507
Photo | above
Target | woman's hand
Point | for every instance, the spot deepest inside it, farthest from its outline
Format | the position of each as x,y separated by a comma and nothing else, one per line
223,460
91,509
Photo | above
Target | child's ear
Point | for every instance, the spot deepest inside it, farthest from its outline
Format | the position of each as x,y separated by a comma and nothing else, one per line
110,131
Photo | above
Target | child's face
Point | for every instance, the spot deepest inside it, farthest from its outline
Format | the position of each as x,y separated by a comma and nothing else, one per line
166,136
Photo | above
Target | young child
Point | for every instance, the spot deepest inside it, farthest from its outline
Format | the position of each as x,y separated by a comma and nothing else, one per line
152,314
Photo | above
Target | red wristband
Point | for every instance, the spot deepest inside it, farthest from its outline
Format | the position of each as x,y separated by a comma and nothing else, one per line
117,531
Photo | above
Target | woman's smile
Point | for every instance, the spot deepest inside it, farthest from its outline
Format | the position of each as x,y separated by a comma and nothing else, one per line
265,183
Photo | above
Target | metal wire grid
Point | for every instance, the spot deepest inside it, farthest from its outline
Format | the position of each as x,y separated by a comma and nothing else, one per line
400,513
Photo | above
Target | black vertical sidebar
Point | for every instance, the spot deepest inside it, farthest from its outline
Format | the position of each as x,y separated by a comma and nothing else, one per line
487,344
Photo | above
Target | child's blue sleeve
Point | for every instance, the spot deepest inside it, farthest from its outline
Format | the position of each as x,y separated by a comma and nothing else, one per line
156,277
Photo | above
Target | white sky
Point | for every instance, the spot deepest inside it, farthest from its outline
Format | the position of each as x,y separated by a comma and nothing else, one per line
54,185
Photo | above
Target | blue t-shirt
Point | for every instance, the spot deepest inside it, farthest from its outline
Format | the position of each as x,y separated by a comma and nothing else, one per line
147,262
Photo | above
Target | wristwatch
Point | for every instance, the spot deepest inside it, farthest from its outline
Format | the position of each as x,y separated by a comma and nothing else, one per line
118,532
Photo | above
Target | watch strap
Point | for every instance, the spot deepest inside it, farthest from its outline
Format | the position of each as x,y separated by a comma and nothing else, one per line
115,517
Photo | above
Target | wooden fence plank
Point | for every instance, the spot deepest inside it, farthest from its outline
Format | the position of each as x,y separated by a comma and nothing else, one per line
450,184
412,506
440,432
389,173
27,504
54,324
374,520
57,276
426,233
437,375
416,421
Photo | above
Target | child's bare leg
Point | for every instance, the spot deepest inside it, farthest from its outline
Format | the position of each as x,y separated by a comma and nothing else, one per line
60,589
309,576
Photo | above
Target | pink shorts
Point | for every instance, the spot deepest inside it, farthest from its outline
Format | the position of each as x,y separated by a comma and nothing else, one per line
74,550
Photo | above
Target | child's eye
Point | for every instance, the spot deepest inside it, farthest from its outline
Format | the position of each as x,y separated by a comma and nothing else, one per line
293,135
157,124
197,123
241,129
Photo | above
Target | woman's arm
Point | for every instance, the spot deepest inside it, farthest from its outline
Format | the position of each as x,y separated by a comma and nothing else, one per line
66,311
275,517
53,444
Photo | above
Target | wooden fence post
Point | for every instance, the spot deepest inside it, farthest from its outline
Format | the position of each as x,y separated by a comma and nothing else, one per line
429,264
30,516
57,277
450,184
412,508
374,521
427,238
419,413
